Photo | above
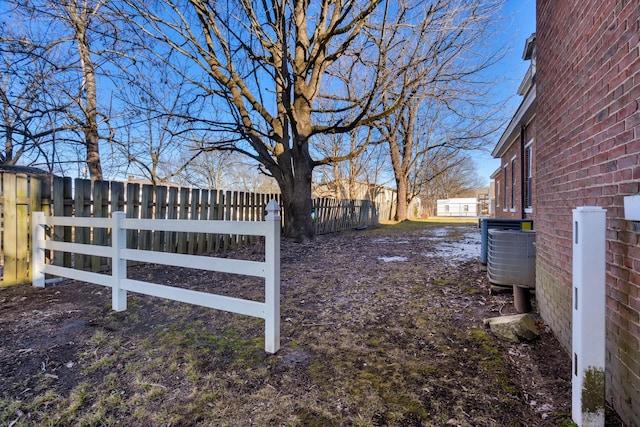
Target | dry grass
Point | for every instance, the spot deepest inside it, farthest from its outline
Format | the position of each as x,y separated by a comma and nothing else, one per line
364,342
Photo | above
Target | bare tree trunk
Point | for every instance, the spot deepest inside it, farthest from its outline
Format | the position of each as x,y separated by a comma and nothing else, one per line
402,206
79,21
297,210
295,186
93,154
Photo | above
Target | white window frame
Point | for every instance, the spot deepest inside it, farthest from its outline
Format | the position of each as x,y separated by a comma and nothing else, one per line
505,195
514,183
529,178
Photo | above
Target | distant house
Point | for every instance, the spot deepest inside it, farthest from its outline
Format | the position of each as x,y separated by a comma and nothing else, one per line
383,197
356,190
471,203
575,141
514,180
458,207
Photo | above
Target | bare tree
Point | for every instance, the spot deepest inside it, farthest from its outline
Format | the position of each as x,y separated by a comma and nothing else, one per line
347,179
31,106
151,134
270,63
208,170
447,111
79,42
22,87
227,170
447,176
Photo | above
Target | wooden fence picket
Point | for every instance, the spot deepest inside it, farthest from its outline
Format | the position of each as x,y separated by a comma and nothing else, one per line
100,210
160,213
82,206
183,213
62,205
14,189
132,211
172,213
195,215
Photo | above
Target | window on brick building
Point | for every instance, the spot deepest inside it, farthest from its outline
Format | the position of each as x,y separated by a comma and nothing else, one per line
504,193
513,183
498,192
528,176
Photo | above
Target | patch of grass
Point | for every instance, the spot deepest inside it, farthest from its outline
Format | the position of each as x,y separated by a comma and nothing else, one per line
77,398
489,360
11,410
310,418
566,422
470,290
236,346
433,221
443,282
99,339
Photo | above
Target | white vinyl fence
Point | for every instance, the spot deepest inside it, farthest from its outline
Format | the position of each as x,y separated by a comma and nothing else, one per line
118,252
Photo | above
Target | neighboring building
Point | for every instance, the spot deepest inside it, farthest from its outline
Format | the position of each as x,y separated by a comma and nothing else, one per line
27,170
383,197
586,152
514,180
458,207
473,202
491,198
355,190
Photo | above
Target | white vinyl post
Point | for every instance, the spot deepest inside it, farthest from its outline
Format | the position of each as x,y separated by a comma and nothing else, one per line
272,278
588,336
37,252
118,265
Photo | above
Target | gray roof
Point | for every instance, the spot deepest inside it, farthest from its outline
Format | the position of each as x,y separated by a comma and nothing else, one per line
23,169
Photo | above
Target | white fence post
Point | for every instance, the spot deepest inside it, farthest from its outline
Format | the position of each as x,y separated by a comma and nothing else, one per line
272,278
37,252
588,336
118,265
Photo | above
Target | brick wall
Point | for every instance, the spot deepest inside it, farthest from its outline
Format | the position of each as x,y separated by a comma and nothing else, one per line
587,152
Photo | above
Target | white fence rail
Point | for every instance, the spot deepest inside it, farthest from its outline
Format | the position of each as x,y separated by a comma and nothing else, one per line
269,310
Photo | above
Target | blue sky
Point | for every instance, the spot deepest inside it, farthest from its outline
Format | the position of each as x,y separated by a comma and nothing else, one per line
519,17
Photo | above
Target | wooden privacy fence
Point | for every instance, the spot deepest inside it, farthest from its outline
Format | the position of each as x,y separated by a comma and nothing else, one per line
118,252
338,215
22,194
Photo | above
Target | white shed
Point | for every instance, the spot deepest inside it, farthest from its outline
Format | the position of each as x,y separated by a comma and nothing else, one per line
457,207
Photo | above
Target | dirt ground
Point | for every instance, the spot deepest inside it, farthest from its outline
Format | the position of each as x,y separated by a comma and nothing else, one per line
379,327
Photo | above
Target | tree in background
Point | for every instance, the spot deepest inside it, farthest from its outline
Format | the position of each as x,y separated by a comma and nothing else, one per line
445,176
79,42
356,177
225,170
446,112
31,105
152,134
287,72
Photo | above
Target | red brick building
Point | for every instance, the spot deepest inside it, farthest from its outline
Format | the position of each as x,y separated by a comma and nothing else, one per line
514,195
585,139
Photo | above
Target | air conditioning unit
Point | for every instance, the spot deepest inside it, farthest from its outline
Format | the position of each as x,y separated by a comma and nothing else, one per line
511,258
486,224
